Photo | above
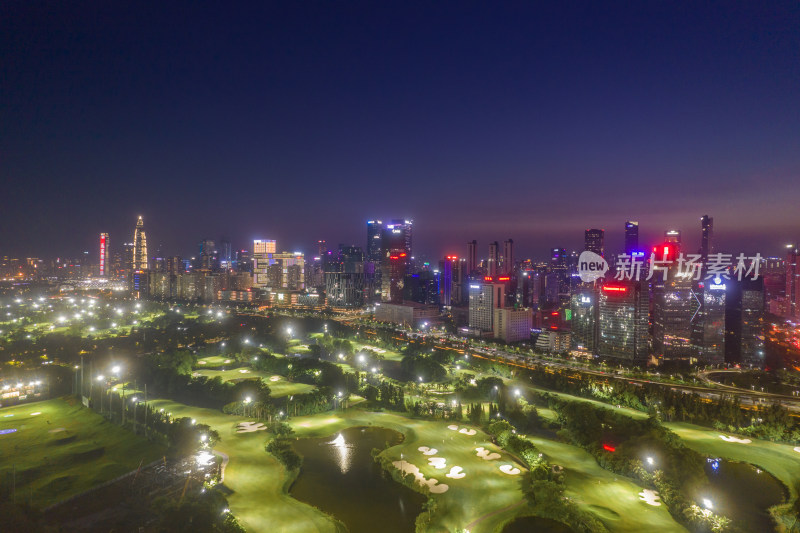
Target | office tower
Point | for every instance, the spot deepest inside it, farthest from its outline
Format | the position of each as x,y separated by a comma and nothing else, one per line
484,298
623,321
446,281
676,308
139,246
395,249
322,247
422,287
594,241
512,324
263,250
792,281
493,258
773,270
583,310
472,257
103,255
224,254
346,283
559,266
631,237
744,321
206,255
707,239
374,238
396,236
291,267
673,238
508,257
393,276
244,261
709,323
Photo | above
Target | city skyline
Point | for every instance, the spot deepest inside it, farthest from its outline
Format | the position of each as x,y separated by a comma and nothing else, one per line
303,121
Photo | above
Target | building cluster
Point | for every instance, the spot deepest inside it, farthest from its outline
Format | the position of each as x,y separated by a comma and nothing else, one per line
656,316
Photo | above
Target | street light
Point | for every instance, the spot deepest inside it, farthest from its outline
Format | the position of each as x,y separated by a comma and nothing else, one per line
707,503
650,461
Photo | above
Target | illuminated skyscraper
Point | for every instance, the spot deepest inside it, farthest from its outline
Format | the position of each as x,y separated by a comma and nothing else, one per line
263,250
103,255
623,321
139,246
631,236
793,280
374,244
594,241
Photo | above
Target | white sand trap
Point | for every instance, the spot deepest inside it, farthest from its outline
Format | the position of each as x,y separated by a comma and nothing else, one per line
244,371
57,430
250,427
486,455
433,483
469,432
439,463
455,473
196,374
453,427
227,361
797,449
427,451
304,424
275,378
36,413
510,470
735,439
201,362
650,497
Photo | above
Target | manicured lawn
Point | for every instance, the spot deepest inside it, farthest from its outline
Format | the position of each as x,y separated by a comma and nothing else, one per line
780,460
611,498
278,385
66,449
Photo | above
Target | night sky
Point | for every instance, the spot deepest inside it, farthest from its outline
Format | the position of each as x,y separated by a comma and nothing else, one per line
301,120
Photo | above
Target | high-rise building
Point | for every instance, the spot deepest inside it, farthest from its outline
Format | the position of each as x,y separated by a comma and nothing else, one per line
793,281
623,321
374,238
709,324
346,283
677,306
707,239
447,282
594,241
673,238
508,257
493,258
484,298
263,250
631,237
583,319
103,255
512,325
322,247
139,246
472,257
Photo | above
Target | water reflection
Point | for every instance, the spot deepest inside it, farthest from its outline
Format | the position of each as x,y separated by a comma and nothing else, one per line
344,452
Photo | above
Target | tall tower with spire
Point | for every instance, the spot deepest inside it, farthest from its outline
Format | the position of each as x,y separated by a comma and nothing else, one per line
139,246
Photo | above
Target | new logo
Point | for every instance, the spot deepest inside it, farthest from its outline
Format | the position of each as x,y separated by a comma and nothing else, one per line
591,266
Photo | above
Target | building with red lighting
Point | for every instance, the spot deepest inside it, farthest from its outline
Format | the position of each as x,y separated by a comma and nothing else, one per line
623,311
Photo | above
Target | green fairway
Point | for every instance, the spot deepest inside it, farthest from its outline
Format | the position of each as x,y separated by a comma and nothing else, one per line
66,449
780,460
278,385
214,361
611,498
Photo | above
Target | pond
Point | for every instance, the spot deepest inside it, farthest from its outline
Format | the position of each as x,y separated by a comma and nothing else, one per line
743,493
340,477
531,524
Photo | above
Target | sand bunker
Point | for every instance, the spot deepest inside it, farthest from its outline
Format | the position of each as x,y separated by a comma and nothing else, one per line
227,361
486,454
735,439
244,371
469,432
275,378
36,413
433,484
650,497
57,430
510,470
250,427
453,427
201,362
455,473
797,449
439,463
427,451
196,374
